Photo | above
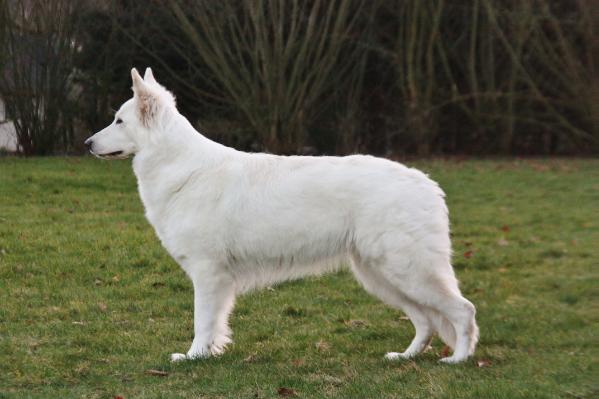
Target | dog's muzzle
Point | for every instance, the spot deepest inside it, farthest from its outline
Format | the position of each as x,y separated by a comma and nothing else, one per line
88,144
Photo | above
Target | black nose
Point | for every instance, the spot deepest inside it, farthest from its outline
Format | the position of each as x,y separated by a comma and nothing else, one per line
88,143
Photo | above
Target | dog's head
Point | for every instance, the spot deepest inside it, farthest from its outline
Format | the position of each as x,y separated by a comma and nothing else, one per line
137,122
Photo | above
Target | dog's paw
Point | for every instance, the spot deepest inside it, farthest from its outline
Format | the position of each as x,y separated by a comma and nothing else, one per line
178,357
398,356
199,352
452,360
198,355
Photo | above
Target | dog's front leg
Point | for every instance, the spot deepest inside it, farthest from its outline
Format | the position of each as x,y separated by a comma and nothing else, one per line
214,296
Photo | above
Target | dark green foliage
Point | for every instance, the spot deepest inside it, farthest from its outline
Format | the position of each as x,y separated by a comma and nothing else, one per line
339,76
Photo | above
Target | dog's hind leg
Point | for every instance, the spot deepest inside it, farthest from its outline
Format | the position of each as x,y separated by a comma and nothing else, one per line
442,326
374,282
432,284
422,325
214,296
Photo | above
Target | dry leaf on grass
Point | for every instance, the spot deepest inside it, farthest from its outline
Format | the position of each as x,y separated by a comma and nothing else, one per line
158,373
286,392
445,351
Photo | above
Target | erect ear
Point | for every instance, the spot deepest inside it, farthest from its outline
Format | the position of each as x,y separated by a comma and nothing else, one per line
149,76
147,101
138,82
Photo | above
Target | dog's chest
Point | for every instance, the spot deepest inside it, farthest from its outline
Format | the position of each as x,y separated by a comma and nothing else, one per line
184,221
154,209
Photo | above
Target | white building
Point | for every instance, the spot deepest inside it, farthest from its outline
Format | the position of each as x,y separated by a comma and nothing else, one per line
8,135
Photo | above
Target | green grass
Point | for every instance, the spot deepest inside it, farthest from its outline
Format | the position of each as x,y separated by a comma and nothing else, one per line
89,300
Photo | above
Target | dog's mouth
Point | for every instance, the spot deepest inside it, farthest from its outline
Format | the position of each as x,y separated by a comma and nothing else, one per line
109,155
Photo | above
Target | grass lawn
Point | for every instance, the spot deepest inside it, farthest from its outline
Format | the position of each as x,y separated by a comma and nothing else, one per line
90,302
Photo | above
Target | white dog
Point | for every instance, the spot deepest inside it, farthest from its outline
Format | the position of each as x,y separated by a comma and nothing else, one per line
235,221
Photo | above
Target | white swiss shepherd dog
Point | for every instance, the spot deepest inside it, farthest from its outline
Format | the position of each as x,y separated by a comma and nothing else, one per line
236,221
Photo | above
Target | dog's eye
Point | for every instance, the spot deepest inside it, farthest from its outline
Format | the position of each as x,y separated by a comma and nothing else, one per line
118,121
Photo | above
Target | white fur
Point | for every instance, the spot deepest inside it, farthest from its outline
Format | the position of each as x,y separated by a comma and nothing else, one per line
235,221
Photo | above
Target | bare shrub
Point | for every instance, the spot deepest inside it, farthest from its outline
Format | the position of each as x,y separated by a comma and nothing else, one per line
38,47
280,64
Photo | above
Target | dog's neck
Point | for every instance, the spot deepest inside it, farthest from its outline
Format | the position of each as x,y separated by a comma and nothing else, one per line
179,144
159,166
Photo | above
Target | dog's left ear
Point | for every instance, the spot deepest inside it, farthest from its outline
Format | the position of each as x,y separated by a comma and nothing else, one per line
149,76
147,101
